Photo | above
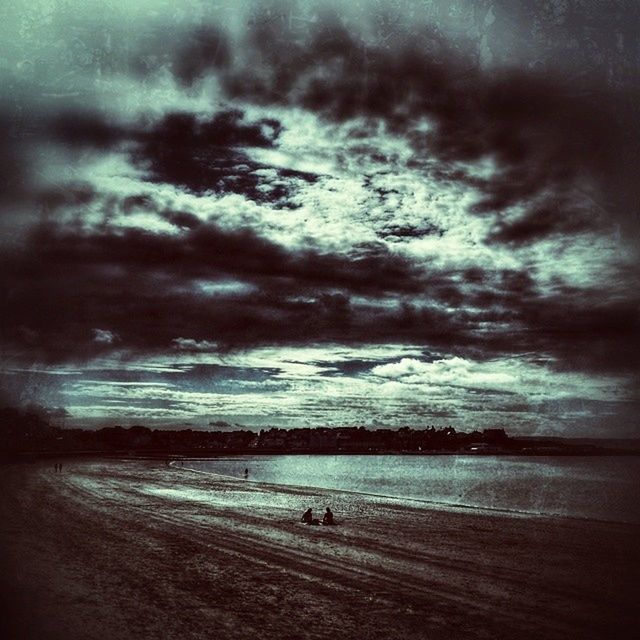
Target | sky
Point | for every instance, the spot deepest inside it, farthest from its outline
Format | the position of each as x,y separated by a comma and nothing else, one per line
310,214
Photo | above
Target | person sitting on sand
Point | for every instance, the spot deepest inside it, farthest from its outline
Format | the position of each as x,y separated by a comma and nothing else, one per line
307,517
328,517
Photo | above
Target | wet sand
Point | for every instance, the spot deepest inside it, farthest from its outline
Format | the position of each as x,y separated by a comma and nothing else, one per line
118,550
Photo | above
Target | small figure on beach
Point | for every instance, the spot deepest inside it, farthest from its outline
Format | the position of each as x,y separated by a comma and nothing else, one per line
327,518
55,467
246,473
60,466
307,517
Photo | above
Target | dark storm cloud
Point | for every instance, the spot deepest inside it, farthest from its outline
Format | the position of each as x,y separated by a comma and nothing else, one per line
198,154
63,285
27,129
207,156
70,195
75,128
66,284
556,217
225,129
546,134
140,290
585,333
205,250
202,155
19,134
14,176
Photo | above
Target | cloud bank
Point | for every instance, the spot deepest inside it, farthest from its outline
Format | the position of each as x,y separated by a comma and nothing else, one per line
296,178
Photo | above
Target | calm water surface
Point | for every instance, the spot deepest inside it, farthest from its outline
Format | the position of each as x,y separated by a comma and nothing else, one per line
604,488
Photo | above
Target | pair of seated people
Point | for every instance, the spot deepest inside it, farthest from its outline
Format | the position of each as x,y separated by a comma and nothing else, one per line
327,518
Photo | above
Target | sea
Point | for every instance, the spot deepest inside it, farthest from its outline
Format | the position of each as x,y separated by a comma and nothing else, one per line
591,487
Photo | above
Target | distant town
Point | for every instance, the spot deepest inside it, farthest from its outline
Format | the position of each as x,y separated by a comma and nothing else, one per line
24,433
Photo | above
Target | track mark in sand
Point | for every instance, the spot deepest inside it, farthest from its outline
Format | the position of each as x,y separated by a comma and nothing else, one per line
421,563
357,567
383,587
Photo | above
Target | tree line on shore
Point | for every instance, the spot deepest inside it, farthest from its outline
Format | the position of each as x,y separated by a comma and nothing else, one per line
28,431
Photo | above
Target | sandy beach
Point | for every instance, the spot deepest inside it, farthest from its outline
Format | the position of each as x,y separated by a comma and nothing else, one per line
136,549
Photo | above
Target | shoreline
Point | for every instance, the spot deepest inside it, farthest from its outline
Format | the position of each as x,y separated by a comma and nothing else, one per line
437,504
135,549
127,454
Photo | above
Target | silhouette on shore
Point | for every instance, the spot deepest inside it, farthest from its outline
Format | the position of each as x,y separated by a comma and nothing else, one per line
327,518
307,517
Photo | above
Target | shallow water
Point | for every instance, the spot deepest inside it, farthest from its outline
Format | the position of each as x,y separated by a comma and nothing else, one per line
602,488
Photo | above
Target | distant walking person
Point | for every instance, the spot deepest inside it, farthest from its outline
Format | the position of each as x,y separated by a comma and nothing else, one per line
246,473
327,518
